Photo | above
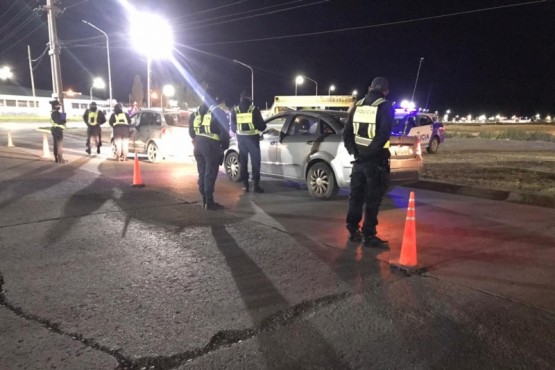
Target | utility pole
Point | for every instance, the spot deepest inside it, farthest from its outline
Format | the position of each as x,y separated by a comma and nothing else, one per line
31,71
53,10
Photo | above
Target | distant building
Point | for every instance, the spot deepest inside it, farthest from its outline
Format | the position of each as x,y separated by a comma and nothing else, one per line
18,100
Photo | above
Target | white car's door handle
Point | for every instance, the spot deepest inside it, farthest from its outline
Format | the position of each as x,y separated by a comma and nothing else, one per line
273,142
310,142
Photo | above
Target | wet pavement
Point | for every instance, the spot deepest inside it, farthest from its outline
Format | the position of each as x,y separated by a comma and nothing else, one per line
96,274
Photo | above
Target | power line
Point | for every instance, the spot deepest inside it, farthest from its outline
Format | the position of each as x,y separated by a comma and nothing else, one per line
258,15
415,20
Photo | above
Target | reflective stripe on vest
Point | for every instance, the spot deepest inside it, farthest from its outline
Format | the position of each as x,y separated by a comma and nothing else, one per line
245,125
121,119
92,118
364,122
201,125
54,124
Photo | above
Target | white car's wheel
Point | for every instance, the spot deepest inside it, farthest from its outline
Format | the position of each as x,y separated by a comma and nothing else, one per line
233,167
152,152
320,181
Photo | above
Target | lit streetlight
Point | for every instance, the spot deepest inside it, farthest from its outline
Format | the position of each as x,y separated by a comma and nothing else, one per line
108,57
98,83
153,37
298,81
355,93
6,73
302,77
332,88
252,76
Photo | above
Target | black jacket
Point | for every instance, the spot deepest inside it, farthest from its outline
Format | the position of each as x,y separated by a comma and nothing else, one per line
384,121
100,117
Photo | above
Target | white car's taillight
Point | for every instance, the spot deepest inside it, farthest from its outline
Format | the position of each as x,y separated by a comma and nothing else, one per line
418,147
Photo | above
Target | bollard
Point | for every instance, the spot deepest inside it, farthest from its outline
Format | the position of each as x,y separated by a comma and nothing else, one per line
10,143
45,149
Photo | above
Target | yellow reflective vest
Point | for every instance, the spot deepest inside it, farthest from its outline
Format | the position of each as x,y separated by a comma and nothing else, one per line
364,122
121,119
93,118
245,124
201,125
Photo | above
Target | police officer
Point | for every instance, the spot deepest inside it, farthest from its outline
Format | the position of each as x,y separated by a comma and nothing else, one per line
209,129
247,123
93,118
120,122
366,136
58,124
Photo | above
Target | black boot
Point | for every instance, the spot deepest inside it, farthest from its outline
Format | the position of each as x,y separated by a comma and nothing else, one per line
245,187
257,188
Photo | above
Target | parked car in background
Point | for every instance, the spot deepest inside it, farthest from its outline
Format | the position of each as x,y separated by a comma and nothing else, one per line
307,145
159,135
424,126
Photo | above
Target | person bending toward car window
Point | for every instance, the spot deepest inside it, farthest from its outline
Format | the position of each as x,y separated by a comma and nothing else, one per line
120,121
209,130
366,136
247,123
94,118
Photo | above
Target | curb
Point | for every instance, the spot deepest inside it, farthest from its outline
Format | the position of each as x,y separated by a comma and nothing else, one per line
500,195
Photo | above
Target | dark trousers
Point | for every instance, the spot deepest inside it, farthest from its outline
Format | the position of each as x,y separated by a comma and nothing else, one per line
208,154
249,144
94,132
369,183
58,140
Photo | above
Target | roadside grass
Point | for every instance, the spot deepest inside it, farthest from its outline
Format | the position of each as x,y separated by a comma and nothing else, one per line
32,119
502,132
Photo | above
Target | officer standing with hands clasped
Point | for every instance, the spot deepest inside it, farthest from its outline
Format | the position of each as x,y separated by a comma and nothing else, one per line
209,129
247,123
58,125
93,118
366,136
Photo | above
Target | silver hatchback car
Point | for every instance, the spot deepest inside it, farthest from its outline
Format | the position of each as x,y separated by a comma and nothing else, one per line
159,135
307,145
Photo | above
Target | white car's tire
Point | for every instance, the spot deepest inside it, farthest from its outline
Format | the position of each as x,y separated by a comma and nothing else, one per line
320,181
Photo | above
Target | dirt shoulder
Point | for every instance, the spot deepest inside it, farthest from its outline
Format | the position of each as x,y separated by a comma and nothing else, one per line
508,165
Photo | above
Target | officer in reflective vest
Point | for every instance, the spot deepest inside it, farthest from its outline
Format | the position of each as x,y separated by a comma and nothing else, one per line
247,123
94,118
209,129
120,122
366,136
58,124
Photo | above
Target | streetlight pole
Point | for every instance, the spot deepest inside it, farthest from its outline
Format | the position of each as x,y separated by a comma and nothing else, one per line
108,56
308,78
332,88
31,71
417,74
57,88
148,62
298,81
252,76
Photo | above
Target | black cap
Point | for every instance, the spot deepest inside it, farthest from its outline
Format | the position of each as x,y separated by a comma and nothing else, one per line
93,104
379,84
54,102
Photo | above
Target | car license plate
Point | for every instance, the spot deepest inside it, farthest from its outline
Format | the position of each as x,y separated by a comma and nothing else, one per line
401,150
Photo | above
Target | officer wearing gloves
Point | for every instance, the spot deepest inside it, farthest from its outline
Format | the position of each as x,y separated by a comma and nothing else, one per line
366,136
58,125
93,118
247,123
209,129
120,122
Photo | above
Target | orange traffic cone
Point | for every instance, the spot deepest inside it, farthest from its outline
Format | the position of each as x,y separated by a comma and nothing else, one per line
10,143
137,181
408,261
45,148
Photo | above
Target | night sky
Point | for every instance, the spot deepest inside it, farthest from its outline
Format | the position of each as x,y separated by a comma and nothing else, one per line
486,56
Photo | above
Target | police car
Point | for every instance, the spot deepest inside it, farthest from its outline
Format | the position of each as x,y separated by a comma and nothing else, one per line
424,126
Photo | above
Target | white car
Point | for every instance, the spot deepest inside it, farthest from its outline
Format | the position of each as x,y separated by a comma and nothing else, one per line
307,146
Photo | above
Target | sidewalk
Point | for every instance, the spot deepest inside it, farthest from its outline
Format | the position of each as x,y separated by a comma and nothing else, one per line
97,274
